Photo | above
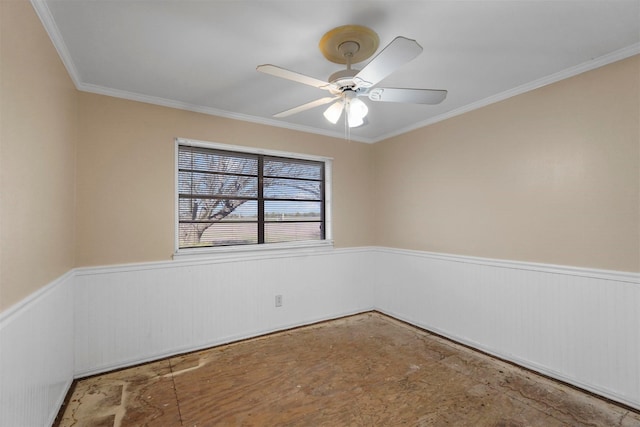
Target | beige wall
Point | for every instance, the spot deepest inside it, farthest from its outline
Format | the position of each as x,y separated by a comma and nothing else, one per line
549,176
37,156
126,177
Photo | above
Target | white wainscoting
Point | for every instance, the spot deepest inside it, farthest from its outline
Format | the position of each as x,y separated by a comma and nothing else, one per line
578,325
134,313
36,355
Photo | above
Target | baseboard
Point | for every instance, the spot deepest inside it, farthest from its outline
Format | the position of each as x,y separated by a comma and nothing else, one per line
36,351
60,402
578,325
230,298
542,370
216,343
184,305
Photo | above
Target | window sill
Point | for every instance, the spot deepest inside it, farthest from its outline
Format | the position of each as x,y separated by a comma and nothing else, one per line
246,252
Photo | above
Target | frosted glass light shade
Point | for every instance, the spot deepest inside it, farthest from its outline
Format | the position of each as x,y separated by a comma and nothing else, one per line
357,112
334,111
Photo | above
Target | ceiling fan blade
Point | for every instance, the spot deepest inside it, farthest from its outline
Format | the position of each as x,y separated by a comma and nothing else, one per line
307,106
397,53
292,75
411,96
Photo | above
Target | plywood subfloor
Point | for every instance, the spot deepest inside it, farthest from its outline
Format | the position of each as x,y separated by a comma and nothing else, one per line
365,370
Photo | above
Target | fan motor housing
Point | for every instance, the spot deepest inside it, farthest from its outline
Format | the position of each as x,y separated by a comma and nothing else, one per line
344,79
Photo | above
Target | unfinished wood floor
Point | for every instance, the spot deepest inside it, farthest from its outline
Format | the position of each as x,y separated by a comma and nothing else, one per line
365,370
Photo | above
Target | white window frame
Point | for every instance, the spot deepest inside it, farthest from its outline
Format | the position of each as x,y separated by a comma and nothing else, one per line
307,246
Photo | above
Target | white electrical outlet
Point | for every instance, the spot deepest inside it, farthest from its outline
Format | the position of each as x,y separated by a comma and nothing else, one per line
278,300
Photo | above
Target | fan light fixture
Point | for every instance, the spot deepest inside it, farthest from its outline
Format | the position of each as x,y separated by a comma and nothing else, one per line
355,110
334,111
353,44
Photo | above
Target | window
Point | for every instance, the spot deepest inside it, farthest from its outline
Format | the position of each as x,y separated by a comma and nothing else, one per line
229,197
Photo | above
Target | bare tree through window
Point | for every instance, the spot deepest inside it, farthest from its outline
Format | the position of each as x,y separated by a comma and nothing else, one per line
230,198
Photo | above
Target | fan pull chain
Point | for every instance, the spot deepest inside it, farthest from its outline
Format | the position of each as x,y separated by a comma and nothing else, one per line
347,128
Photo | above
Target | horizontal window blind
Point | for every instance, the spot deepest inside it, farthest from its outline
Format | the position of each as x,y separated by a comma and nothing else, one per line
232,198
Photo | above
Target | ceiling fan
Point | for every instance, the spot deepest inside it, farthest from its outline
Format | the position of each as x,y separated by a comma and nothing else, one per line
351,44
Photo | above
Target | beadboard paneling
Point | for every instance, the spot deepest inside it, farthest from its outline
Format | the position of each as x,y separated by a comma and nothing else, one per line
134,313
36,355
578,325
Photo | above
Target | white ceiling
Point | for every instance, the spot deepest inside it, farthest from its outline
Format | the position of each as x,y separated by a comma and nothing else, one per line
202,55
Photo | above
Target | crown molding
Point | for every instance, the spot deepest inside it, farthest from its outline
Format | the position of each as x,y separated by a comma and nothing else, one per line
46,17
592,64
132,96
44,13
